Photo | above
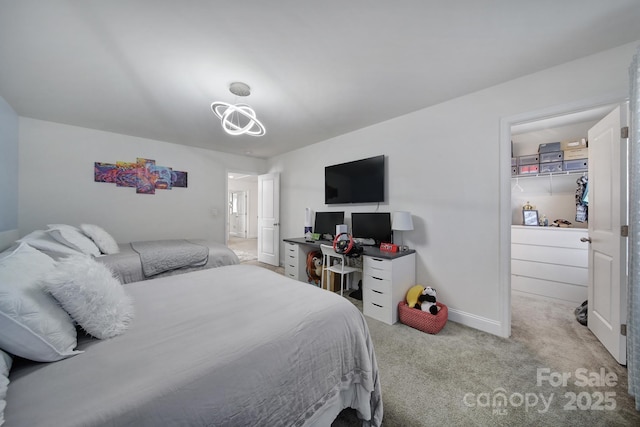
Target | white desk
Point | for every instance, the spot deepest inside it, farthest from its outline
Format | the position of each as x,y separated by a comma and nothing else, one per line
386,278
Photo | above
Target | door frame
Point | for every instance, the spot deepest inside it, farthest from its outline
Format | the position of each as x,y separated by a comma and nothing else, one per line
505,215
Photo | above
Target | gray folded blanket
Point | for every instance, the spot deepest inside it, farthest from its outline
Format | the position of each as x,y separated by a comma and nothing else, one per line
159,256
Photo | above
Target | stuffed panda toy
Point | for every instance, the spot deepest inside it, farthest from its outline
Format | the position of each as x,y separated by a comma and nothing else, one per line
427,300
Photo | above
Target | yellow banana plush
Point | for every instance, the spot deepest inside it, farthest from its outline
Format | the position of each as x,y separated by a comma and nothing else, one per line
413,294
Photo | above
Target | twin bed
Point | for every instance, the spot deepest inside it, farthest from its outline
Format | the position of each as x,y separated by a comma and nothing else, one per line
236,345
128,264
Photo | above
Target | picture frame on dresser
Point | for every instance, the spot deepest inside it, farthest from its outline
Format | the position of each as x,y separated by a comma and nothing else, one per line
530,217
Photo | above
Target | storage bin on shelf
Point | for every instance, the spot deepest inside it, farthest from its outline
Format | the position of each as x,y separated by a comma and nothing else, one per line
575,165
577,153
553,156
551,167
422,320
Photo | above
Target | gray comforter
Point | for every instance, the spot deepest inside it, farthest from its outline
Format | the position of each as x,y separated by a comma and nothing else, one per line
159,256
230,346
128,267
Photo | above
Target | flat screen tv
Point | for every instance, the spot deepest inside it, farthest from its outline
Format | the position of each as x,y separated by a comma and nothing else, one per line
372,225
360,181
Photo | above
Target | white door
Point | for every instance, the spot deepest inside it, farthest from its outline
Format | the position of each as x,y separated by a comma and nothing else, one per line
269,218
608,249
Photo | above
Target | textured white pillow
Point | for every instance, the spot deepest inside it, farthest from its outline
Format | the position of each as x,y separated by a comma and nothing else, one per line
74,238
41,240
32,324
100,237
90,293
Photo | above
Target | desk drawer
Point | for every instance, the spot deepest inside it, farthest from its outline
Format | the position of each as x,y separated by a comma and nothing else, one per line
290,248
294,262
291,274
378,312
380,285
376,267
381,299
291,260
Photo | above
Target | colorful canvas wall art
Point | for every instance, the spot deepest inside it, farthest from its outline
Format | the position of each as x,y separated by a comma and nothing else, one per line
143,175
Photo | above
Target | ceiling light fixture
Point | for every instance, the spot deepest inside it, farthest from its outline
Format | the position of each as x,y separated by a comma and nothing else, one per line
238,119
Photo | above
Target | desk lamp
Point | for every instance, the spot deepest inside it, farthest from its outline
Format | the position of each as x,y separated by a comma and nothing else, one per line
401,222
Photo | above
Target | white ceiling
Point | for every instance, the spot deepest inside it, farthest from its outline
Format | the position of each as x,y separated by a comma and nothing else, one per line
151,68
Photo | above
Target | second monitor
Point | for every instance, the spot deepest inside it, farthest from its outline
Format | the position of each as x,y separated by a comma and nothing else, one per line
372,225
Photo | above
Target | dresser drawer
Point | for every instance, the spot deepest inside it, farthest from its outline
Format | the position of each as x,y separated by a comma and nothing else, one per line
383,314
376,267
291,260
291,247
291,274
379,285
378,298
290,268
294,261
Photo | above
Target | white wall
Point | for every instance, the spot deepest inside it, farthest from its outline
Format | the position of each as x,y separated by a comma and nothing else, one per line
444,167
57,184
8,175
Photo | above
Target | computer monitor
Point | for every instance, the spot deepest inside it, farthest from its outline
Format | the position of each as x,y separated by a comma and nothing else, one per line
325,223
371,225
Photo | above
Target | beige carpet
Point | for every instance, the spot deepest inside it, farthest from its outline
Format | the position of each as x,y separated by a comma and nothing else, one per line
452,378
456,378
246,249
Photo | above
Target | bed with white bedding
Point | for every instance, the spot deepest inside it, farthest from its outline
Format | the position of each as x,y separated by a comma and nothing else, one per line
129,265
134,261
231,346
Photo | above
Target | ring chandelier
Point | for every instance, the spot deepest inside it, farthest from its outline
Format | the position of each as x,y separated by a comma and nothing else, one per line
238,119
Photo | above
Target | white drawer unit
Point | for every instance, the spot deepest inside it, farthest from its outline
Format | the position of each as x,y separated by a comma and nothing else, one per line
550,262
295,259
385,283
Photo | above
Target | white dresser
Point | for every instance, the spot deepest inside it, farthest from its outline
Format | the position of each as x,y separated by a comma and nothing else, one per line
550,262
385,282
295,261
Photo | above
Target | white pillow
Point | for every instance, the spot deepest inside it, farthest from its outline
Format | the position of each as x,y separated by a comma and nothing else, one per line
100,237
41,240
32,324
90,293
74,238
5,367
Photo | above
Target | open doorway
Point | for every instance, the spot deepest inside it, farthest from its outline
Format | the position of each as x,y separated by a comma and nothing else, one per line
526,293
242,215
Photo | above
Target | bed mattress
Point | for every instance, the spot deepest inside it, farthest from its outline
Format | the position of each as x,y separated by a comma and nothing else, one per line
231,346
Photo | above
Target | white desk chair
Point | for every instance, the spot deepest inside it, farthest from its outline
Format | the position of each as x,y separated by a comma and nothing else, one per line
337,263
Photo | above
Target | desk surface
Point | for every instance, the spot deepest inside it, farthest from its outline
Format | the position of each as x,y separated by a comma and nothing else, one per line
372,251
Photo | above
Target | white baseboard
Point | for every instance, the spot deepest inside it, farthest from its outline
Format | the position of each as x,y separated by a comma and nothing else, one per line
7,238
477,322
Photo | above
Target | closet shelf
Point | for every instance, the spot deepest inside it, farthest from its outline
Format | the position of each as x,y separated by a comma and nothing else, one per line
547,174
557,181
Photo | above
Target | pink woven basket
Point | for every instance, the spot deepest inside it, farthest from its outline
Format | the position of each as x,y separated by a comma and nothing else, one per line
423,320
